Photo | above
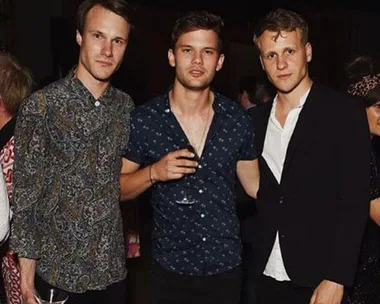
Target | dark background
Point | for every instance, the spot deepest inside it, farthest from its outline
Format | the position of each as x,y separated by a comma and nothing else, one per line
42,35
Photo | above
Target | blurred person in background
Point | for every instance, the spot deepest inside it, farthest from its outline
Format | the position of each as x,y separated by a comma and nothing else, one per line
16,84
365,84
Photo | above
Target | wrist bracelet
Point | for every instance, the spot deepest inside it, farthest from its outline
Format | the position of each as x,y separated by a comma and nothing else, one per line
150,174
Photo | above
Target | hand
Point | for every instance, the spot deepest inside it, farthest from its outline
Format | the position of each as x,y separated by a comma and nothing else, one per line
174,165
28,295
327,292
27,271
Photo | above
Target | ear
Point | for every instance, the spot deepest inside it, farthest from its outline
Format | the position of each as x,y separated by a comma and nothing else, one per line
171,58
309,52
78,38
261,62
220,63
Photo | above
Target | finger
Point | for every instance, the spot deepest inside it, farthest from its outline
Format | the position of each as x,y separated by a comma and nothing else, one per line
184,153
187,163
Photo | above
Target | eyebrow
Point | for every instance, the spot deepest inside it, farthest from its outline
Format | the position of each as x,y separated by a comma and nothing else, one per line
101,33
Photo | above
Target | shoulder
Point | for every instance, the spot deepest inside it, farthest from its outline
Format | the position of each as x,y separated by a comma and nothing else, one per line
153,107
331,96
228,106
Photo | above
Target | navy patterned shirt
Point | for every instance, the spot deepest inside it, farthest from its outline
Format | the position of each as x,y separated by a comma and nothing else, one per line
66,184
202,238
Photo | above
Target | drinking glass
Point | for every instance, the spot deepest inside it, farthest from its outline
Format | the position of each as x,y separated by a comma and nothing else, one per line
185,194
52,296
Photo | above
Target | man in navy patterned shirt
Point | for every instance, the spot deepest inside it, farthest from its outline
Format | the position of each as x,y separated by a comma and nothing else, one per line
190,143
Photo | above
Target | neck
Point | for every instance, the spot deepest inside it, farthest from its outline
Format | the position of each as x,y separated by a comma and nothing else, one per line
190,102
96,87
290,100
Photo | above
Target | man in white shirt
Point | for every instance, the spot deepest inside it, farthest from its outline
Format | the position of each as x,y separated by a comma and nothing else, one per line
314,186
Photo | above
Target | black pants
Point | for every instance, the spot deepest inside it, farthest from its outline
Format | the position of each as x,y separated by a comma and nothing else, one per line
248,289
115,293
173,288
270,291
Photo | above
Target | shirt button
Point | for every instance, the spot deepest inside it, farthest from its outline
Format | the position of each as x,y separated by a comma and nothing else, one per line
200,166
202,215
281,199
204,239
200,191
97,103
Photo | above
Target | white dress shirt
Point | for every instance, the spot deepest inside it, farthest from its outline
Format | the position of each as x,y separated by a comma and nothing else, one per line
274,152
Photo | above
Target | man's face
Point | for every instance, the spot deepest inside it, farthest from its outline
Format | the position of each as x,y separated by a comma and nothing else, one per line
196,59
285,59
102,45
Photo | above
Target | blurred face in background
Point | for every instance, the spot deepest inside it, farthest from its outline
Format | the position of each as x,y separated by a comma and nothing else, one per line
373,116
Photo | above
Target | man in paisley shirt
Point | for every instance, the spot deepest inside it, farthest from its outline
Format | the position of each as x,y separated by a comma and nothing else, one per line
68,142
190,143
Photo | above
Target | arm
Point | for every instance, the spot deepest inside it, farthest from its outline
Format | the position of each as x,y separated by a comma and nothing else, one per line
27,271
249,176
375,210
28,177
134,181
353,143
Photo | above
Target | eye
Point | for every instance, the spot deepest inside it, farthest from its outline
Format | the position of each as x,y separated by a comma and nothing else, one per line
96,36
270,56
289,52
119,41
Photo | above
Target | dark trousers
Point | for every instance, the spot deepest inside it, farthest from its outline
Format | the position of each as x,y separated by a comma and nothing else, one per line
270,291
115,293
173,288
248,289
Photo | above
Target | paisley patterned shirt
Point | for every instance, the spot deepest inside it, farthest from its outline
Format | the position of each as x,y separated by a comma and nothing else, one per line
200,238
66,184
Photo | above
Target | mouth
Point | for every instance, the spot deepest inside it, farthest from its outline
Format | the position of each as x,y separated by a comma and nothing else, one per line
196,73
284,76
104,63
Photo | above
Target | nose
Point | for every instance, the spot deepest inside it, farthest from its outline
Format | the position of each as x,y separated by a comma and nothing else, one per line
107,49
281,63
197,57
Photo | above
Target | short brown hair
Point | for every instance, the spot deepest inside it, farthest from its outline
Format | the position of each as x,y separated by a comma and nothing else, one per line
195,20
16,82
119,7
282,20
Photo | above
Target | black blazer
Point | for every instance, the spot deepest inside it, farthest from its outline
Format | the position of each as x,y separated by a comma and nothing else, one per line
321,206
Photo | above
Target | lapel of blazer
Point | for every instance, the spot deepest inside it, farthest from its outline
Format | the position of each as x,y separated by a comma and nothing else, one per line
303,126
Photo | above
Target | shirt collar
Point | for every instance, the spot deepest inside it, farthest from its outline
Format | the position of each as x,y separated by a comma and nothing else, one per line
301,103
